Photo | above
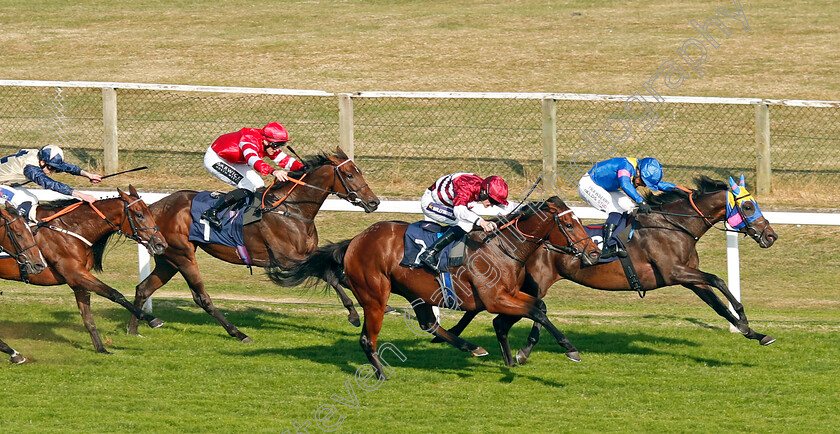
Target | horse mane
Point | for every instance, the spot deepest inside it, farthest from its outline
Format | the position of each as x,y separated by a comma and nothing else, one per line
57,204
705,185
529,209
312,163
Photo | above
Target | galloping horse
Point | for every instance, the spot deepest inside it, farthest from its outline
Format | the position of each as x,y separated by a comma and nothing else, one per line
490,279
285,232
74,241
663,250
17,241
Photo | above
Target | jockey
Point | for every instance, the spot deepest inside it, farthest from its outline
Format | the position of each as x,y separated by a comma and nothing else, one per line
36,165
448,200
235,158
610,186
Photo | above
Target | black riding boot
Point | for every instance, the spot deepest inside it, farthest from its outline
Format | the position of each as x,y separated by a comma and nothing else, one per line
614,250
429,257
231,198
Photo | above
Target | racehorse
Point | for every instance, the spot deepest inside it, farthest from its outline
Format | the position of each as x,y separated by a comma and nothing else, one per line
17,241
285,232
73,240
490,279
663,251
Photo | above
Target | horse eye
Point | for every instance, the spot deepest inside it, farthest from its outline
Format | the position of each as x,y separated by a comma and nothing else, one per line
349,176
569,225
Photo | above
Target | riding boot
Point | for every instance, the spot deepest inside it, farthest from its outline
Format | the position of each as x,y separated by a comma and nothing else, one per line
228,200
614,250
429,257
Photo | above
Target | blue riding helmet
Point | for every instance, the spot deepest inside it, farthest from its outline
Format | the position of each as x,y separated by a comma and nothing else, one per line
54,157
651,171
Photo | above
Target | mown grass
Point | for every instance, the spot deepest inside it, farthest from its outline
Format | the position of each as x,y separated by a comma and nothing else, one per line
667,362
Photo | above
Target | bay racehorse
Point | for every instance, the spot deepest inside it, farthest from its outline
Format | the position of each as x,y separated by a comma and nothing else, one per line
72,237
285,232
18,243
663,250
489,280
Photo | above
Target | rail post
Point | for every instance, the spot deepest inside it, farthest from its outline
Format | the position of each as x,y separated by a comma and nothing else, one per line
109,121
345,123
762,140
549,135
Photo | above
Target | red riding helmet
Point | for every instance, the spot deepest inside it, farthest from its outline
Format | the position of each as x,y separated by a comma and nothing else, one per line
274,132
495,188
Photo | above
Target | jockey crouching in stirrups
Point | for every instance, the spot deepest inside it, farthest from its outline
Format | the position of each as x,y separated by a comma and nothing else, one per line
610,186
235,158
36,166
448,200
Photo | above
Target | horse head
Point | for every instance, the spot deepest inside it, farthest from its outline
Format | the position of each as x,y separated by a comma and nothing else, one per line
352,186
18,242
139,224
744,215
570,237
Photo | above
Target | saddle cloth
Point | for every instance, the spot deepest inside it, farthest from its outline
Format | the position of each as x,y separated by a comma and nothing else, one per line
231,234
421,235
623,233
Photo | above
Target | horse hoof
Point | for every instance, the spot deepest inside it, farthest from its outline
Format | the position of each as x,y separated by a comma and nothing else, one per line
767,340
354,321
573,356
479,352
247,340
17,358
155,323
521,358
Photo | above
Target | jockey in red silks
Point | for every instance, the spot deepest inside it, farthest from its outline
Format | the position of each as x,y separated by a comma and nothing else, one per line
237,159
448,200
610,186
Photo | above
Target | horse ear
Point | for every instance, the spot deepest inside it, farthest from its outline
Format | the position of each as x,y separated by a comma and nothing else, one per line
743,182
132,190
731,183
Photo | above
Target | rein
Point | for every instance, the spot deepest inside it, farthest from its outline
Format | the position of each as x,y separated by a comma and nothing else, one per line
350,196
126,205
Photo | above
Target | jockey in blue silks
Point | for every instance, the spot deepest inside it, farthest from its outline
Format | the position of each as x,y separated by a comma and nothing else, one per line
610,186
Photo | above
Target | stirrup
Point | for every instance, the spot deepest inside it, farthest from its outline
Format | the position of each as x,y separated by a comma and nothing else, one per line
213,220
430,261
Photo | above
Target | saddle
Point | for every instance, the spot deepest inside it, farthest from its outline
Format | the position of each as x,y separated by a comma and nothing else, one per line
420,235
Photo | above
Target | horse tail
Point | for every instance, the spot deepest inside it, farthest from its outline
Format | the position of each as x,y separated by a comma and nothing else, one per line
326,263
99,251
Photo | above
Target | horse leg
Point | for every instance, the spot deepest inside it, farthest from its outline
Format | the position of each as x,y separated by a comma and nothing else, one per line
428,322
202,299
82,280
162,273
352,314
707,294
524,305
459,328
370,332
14,356
502,323
693,278
533,338
83,301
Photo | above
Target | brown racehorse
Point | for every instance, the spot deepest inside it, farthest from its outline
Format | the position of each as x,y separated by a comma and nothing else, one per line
285,232
74,243
663,250
17,242
490,279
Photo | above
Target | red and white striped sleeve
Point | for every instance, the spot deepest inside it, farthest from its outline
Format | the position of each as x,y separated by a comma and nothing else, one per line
250,145
286,161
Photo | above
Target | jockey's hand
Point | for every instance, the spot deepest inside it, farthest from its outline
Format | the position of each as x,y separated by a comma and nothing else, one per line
93,177
644,208
84,196
487,226
281,175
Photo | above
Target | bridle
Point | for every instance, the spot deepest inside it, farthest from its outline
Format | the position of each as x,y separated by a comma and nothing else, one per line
569,249
127,215
351,196
747,230
19,252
